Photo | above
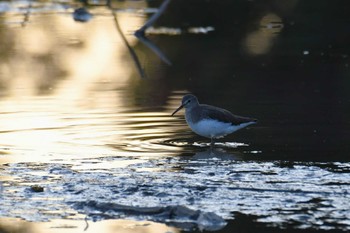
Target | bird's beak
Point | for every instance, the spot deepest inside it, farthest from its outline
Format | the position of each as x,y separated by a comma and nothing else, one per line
178,109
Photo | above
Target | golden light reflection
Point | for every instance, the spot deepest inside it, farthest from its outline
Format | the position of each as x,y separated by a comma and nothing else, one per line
260,42
79,79
103,57
70,226
44,50
66,97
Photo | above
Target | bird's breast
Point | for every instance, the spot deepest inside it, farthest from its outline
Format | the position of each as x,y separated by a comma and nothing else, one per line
210,128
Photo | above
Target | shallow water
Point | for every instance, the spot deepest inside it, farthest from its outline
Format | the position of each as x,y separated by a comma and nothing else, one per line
87,143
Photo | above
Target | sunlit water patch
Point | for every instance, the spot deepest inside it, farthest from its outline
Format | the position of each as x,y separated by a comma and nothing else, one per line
146,132
179,31
83,137
216,186
106,163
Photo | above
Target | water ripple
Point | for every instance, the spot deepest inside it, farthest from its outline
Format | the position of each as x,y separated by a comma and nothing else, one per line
275,194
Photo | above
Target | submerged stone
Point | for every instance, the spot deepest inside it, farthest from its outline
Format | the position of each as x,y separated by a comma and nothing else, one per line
177,216
37,188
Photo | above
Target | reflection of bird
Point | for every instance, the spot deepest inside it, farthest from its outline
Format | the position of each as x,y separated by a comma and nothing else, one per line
221,154
209,121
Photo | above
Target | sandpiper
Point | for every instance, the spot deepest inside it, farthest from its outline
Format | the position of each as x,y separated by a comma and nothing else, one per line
209,121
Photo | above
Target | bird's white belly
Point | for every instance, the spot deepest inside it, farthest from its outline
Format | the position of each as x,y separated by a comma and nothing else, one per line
215,129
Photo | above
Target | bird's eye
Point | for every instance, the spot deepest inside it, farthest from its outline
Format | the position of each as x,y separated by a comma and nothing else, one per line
188,101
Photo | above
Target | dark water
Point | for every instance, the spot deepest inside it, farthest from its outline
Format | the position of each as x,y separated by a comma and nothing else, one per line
87,143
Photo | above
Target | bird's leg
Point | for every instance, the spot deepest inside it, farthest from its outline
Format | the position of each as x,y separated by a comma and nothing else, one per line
212,143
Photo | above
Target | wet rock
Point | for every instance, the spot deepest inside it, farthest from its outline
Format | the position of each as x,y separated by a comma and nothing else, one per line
177,216
37,188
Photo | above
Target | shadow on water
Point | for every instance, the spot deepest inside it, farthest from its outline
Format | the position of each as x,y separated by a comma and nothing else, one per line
87,144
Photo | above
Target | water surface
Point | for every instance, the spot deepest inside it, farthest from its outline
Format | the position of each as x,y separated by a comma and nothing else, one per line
87,143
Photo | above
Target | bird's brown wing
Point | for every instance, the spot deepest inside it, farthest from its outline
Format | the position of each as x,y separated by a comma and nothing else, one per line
224,115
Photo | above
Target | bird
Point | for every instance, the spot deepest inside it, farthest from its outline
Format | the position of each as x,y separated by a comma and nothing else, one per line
210,121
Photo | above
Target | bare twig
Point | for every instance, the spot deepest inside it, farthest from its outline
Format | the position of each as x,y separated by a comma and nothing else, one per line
140,34
131,50
154,48
153,18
